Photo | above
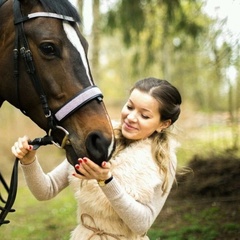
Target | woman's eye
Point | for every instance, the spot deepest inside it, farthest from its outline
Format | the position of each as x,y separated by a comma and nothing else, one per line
48,49
145,117
129,107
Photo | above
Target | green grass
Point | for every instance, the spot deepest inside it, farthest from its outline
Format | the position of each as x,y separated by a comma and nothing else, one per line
188,223
53,219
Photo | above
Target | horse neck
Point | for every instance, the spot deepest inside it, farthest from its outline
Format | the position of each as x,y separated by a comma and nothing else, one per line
7,36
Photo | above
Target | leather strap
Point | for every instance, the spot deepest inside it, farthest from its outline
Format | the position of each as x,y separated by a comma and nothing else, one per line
83,97
12,192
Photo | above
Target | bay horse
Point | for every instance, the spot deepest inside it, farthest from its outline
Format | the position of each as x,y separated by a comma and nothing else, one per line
44,72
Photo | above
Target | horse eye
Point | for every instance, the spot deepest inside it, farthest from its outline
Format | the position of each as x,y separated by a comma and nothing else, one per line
48,49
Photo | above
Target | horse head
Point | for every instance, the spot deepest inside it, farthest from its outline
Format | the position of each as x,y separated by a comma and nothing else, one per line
47,76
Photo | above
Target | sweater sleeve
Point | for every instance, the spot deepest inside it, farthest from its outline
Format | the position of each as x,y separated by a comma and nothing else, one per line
138,216
45,186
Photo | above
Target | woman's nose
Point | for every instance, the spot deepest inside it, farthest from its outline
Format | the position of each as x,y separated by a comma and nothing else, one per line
132,116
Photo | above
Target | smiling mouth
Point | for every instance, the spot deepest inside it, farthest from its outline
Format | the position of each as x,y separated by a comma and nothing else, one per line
129,127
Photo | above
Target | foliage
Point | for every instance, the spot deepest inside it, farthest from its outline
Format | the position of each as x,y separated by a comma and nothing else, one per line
133,17
175,40
150,25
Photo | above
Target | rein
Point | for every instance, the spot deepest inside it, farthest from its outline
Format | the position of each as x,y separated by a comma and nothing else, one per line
12,190
83,97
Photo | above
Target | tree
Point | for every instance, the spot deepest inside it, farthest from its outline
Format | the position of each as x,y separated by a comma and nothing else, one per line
150,23
96,37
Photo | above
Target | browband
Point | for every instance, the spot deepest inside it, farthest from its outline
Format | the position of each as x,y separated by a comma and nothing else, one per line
44,14
79,100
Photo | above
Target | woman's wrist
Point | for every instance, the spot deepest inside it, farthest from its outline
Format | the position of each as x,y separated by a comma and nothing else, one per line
102,183
27,162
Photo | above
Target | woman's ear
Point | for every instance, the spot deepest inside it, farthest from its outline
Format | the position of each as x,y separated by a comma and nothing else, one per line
163,125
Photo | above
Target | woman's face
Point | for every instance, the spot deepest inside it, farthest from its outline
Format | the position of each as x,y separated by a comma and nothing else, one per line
140,116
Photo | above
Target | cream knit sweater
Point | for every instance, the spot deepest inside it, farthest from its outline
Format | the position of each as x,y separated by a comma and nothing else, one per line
123,209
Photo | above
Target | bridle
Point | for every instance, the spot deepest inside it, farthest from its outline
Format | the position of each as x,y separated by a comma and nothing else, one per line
53,119
22,47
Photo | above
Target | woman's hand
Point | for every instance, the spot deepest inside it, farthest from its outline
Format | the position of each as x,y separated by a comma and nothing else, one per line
91,170
22,150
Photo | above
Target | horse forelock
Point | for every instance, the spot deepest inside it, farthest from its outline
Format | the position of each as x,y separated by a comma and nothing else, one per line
63,7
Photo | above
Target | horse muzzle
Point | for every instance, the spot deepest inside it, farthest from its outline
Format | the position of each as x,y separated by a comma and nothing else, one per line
98,148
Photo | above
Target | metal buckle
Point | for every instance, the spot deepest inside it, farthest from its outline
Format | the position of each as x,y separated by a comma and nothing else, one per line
65,138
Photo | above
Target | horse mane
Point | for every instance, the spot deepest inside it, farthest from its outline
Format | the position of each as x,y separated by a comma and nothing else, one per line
63,7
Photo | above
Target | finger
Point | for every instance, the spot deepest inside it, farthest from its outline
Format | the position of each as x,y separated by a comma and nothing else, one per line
23,143
87,168
17,152
95,170
80,176
106,165
21,147
81,170
87,171
89,165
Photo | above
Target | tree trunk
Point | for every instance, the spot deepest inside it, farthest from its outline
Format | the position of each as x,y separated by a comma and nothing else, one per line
80,11
95,39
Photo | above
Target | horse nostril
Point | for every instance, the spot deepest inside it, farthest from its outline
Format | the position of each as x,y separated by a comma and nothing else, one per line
97,147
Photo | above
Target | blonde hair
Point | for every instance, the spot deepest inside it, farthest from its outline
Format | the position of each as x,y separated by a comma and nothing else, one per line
161,154
169,109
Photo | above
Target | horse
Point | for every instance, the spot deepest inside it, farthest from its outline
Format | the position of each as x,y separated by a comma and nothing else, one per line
53,73
44,72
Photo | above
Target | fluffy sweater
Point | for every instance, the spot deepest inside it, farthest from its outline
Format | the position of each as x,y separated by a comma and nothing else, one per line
125,208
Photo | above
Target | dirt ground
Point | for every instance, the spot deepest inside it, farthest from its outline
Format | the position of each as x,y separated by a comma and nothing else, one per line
205,201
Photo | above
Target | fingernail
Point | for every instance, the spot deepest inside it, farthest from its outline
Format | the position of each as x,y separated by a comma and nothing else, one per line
74,174
30,147
85,160
77,166
104,164
80,160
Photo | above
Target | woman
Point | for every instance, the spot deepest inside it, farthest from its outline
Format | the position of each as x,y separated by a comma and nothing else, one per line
122,198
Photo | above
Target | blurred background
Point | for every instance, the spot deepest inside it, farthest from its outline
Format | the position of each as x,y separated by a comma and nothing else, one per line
194,44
